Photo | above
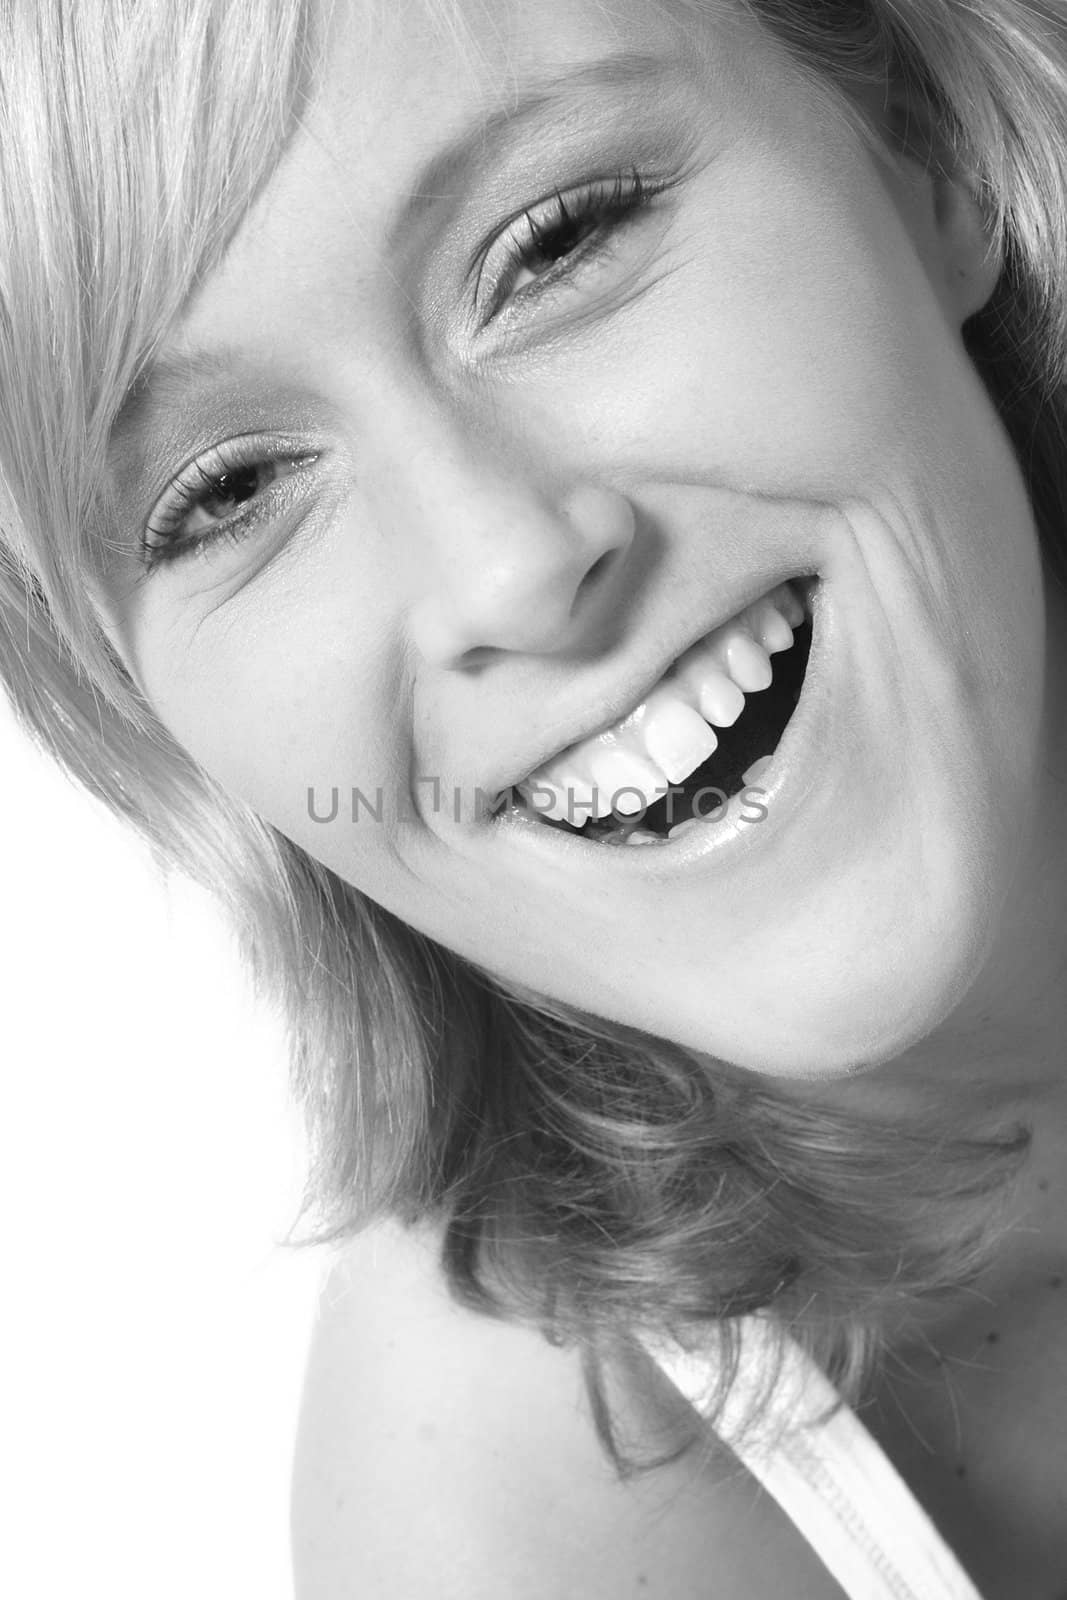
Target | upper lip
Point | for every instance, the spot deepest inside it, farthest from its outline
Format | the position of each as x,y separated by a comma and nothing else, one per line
635,689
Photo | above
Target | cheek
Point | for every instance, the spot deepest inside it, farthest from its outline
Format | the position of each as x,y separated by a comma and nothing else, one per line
282,717
799,333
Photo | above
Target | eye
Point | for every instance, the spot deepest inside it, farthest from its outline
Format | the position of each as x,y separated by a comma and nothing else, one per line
565,234
223,495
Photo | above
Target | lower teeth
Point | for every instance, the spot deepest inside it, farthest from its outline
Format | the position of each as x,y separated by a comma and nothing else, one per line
639,835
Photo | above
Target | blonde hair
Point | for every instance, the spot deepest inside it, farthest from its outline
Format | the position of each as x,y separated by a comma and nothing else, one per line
592,1180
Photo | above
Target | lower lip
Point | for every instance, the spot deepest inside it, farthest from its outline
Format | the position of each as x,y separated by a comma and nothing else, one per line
793,770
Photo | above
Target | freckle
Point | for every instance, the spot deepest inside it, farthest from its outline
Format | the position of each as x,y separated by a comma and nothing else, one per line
427,1432
1056,1282
339,1502
991,1338
1042,1184
961,1471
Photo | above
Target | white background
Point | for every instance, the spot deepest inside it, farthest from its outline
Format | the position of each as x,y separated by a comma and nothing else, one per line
152,1331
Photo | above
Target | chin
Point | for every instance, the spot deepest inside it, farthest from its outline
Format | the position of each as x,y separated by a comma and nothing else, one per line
863,1002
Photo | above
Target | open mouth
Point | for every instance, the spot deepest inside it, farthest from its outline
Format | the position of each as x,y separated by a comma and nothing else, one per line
703,735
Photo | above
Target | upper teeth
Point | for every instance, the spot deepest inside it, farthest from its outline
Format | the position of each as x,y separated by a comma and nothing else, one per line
670,733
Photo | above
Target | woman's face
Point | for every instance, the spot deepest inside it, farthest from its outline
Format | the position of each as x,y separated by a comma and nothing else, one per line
531,488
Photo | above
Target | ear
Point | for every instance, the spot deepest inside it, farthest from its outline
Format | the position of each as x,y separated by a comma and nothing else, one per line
959,241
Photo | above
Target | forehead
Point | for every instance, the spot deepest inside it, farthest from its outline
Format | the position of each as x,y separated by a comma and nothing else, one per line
395,83
400,52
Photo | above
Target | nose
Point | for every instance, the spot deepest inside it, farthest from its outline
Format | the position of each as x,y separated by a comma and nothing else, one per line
502,566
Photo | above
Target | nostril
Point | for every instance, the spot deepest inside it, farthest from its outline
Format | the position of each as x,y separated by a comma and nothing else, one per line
595,576
480,655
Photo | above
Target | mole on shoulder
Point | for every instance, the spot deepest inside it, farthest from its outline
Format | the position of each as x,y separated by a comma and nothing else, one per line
1056,1282
991,1338
961,1470
1042,1184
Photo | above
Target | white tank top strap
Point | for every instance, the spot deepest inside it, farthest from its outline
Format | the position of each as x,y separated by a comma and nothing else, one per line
830,1477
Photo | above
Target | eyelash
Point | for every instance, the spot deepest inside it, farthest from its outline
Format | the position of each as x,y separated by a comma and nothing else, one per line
628,196
206,477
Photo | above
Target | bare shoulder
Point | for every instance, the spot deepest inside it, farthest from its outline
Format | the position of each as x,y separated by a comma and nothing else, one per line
443,1455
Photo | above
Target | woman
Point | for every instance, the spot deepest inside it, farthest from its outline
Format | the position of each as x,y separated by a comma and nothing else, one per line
423,427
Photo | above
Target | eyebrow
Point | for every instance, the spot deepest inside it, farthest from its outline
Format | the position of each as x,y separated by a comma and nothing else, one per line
165,383
170,375
505,122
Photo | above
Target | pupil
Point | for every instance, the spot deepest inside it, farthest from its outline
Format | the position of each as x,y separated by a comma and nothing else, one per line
234,487
560,242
